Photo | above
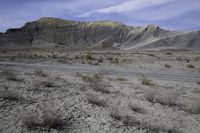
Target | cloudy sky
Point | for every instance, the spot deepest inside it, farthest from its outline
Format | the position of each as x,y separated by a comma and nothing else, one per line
169,14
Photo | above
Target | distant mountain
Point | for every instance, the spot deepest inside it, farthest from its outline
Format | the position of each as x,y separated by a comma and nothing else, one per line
48,32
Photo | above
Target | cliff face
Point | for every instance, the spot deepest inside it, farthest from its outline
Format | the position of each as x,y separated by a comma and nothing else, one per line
55,31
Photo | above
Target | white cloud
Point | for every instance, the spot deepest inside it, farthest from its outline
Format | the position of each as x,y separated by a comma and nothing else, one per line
131,5
127,6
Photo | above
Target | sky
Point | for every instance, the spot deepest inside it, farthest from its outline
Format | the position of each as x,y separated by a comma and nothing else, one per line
168,14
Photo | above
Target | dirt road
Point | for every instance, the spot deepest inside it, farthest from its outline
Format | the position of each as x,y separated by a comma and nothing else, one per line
171,75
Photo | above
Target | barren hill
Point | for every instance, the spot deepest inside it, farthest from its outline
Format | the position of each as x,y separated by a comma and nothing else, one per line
47,32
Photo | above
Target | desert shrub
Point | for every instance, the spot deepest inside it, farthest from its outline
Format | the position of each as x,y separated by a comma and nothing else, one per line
130,121
41,73
197,58
167,66
169,53
115,112
190,66
116,61
7,72
88,57
95,82
164,97
100,60
49,118
147,124
121,79
48,84
76,57
179,58
193,105
30,120
110,59
11,75
136,107
37,84
94,99
52,119
10,95
146,81
150,95
168,98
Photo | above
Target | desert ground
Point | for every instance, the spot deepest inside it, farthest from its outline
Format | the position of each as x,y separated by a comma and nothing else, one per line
61,91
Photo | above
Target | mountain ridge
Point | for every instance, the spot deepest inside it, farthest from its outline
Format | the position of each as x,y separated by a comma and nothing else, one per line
48,31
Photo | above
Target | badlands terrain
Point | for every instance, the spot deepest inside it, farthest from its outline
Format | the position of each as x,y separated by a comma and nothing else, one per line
59,76
60,91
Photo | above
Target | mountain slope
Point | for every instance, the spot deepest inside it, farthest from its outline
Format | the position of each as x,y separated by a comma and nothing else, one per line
47,32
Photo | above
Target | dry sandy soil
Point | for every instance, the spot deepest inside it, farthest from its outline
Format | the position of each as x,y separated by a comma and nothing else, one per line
61,91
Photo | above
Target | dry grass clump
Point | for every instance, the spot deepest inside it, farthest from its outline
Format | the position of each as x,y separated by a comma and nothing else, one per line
95,82
179,58
41,73
147,124
30,120
47,118
11,75
100,60
164,97
48,84
167,66
136,107
10,95
121,79
168,97
94,99
130,121
150,95
145,81
193,105
115,112
52,119
190,66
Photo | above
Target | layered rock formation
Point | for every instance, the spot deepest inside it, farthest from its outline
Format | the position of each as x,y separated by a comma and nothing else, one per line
47,32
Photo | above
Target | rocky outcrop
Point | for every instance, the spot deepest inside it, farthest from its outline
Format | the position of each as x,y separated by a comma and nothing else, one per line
47,32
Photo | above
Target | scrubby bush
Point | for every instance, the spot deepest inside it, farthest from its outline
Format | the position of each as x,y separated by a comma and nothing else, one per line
190,66
167,66
10,95
48,118
136,107
146,81
94,99
115,112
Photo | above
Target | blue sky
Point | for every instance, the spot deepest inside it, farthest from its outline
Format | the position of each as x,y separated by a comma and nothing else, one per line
168,14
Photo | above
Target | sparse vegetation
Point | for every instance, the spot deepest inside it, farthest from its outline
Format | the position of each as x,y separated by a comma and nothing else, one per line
48,84
49,118
190,66
179,58
52,119
100,60
167,66
94,99
11,75
88,57
95,82
150,95
193,105
115,112
41,73
146,81
10,95
136,107
164,97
